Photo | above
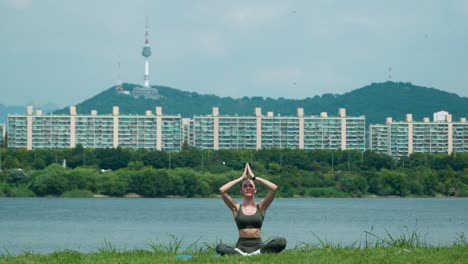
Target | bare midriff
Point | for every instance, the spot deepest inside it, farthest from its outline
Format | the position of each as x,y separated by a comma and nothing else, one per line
250,233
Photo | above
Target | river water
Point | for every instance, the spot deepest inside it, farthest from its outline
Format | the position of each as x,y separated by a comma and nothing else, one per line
44,225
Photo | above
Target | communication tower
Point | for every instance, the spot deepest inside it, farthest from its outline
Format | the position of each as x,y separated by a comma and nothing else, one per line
146,52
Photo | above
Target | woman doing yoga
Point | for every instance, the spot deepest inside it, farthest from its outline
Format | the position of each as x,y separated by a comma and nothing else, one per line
249,216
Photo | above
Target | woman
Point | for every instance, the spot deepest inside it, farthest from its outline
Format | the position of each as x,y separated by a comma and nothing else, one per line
249,216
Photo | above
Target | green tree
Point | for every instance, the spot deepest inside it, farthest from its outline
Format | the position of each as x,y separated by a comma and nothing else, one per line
110,184
163,183
395,183
274,168
83,178
188,157
192,188
113,158
143,182
39,164
135,165
16,177
376,184
51,181
378,161
156,159
178,186
430,181
352,184
11,162
313,179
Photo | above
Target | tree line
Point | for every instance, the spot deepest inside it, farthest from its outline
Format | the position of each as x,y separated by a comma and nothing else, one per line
199,173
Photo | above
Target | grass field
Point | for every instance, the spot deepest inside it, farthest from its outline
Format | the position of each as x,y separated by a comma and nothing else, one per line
437,255
406,248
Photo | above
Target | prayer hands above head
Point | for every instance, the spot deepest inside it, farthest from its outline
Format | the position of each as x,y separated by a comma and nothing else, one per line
246,172
249,171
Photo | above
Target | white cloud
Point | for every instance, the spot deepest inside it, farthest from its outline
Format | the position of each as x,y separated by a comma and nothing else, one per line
18,4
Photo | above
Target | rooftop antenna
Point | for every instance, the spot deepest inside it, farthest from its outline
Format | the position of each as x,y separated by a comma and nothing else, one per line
146,34
119,87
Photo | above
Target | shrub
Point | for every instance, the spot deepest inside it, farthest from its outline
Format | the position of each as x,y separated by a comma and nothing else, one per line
78,194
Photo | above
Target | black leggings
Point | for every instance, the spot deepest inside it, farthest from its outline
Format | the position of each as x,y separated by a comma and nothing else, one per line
249,245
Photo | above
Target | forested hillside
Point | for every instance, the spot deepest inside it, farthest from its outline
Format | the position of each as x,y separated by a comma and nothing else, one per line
376,101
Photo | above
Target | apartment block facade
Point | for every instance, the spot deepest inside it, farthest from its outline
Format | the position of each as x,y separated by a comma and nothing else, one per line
399,139
149,131
217,131
168,133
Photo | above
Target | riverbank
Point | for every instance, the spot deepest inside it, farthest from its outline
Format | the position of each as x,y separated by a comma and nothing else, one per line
427,255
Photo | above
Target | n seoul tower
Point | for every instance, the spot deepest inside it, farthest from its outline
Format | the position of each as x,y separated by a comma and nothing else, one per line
146,52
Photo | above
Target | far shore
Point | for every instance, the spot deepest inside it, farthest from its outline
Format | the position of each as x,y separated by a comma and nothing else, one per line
135,195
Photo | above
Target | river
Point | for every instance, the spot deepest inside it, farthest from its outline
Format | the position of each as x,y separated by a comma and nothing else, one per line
44,225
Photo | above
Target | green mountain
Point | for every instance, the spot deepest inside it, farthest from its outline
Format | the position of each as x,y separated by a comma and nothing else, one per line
376,101
396,99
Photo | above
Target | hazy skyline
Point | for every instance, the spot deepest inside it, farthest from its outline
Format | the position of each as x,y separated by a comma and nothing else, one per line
64,52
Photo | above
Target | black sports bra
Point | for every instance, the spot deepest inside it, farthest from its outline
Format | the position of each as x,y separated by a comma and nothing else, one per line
249,221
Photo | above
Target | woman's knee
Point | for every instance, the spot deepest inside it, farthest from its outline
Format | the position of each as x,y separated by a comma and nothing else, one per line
275,245
221,248
280,244
224,249
281,241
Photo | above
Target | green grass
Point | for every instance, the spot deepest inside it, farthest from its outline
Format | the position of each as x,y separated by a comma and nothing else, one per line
406,248
312,255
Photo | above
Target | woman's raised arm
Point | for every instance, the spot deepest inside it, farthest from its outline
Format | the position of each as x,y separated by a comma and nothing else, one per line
265,203
231,204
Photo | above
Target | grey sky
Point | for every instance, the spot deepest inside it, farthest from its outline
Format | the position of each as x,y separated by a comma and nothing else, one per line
64,51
